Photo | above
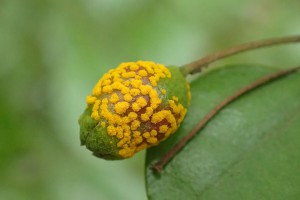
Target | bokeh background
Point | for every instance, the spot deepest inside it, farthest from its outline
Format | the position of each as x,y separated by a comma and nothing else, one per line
52,52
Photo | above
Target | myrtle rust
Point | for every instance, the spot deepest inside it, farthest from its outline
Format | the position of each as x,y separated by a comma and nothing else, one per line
128,102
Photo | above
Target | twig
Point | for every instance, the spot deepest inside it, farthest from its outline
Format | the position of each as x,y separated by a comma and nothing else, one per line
198,65
173,151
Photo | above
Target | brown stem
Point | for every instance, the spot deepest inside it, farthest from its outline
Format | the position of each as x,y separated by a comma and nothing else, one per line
198,65
178,146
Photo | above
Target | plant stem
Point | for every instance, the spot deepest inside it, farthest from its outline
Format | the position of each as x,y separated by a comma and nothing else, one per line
178,146
198,65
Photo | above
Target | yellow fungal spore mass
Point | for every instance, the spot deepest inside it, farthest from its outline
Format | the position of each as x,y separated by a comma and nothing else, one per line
126,102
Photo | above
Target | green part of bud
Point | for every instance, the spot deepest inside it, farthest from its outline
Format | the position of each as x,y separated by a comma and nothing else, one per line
96,139
176,86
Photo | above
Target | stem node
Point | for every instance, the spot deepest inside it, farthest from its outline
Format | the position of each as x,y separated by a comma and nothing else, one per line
198,65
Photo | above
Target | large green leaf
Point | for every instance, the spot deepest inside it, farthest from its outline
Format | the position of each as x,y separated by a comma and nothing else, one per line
250,150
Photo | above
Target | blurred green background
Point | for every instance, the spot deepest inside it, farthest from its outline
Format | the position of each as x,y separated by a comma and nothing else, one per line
52,52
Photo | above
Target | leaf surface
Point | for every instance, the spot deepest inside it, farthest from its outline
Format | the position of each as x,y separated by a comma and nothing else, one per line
249,150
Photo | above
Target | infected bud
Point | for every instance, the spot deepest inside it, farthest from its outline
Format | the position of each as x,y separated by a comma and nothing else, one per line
133,107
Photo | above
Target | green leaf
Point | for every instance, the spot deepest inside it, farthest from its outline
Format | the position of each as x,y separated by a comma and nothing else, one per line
250,150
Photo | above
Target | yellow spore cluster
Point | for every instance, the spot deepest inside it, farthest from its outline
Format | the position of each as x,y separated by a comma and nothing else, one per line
126,101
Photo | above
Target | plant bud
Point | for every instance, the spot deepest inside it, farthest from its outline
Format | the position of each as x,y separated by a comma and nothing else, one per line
133,107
